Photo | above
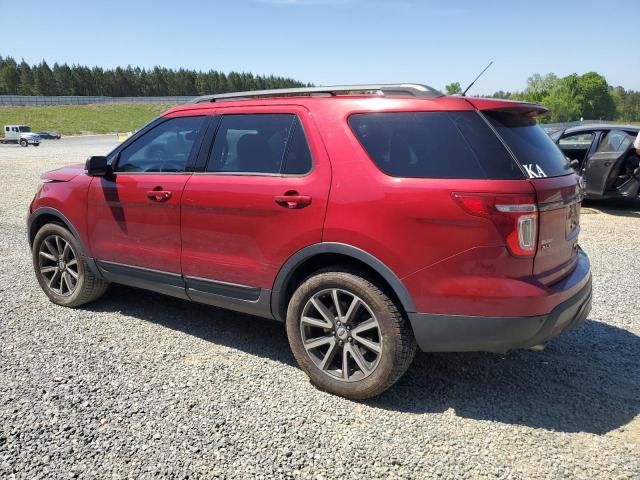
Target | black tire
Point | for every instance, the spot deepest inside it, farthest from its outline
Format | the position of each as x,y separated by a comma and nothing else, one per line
24,143
396,340
88,286
36,144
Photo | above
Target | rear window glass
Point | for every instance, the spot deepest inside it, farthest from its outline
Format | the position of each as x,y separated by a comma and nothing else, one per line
533,148
433,145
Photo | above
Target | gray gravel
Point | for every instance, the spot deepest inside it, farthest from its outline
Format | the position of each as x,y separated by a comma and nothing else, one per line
139,385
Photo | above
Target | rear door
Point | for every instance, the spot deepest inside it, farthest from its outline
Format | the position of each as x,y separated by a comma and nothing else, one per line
557,189
260,198
604,165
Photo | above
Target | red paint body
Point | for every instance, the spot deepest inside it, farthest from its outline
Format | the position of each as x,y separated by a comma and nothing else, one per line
229,228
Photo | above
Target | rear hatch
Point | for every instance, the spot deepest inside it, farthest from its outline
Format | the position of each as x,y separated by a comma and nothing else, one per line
557,187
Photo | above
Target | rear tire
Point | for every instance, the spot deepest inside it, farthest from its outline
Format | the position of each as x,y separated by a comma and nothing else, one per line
36,144
355,350
62,270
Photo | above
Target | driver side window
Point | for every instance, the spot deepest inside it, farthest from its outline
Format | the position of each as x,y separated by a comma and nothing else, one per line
165,148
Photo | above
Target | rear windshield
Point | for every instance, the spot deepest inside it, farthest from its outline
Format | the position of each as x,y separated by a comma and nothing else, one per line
434,145
533,148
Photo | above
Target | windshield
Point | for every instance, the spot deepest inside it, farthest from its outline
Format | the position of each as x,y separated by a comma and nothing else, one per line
24,129
556,135
533,148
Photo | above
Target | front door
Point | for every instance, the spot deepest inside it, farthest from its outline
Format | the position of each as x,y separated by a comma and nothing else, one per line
134,214
261,197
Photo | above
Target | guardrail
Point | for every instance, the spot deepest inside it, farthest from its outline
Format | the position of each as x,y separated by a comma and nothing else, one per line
577,123
28,100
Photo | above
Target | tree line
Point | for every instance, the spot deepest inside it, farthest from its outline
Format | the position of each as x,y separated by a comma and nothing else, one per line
62,79
573,97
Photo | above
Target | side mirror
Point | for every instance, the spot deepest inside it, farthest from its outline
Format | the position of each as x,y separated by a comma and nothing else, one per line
574,164
97,166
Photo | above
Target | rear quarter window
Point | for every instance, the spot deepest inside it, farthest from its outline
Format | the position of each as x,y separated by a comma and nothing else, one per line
434,145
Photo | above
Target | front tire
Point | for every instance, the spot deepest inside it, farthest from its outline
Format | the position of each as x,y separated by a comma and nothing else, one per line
348,335
24,143
62,270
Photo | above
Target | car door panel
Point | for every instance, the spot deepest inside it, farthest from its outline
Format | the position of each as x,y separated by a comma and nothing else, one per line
599,170
131,226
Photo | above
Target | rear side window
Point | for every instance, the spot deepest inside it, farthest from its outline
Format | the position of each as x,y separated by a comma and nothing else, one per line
434,145
615,141
533,148
260,144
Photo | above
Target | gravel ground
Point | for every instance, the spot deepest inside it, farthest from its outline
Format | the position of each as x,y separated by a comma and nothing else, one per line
139,385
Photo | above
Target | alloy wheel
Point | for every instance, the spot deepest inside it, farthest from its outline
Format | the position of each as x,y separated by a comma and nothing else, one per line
58,265
341,334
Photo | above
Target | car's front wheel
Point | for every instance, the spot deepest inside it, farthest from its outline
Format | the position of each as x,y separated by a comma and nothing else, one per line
24,143
348,335
62,271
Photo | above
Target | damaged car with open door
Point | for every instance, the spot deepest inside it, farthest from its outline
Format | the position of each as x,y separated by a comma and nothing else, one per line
605,157
613,170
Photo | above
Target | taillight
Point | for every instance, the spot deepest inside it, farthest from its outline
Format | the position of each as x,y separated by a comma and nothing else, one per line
515,216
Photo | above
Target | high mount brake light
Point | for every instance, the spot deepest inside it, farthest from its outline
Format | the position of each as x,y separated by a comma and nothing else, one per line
515,216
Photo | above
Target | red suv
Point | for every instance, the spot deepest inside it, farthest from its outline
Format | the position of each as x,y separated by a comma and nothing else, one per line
370,219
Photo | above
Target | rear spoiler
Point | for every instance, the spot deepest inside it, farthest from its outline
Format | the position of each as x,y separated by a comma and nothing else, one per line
512,106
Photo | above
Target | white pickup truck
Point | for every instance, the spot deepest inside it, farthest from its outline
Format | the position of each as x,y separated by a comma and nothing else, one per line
20,134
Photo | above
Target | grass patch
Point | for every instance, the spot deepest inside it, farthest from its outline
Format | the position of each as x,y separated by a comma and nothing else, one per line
79,119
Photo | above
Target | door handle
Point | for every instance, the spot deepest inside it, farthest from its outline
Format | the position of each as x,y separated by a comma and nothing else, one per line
292,200
159,195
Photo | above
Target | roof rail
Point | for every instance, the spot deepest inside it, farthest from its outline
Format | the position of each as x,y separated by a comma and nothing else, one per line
397,90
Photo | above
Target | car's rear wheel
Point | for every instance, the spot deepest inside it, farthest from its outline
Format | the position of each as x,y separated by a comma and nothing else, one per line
36,144
348,335
62,270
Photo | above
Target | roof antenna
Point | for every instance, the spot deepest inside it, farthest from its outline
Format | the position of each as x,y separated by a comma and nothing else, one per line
474,81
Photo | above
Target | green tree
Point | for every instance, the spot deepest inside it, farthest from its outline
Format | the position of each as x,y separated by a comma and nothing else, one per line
453,88
596,99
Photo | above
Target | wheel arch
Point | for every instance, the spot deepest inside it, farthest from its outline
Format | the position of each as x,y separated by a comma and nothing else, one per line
313,257
45,215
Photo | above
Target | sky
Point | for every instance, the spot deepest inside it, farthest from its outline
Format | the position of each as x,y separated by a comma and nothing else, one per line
329,42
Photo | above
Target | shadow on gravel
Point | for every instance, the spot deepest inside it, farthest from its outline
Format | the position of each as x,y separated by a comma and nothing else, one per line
620,207
587,380
584,381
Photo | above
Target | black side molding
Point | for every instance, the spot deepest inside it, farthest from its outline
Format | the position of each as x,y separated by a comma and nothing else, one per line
146,278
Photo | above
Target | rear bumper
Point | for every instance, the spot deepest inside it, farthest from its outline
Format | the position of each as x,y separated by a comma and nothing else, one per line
457,333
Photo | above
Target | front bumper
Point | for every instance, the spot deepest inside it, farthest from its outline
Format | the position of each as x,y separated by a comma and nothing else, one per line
457,333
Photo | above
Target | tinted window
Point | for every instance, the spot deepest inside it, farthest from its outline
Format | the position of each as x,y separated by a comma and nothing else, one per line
433,145
165,148
532,147
297,158
260,143
615,141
